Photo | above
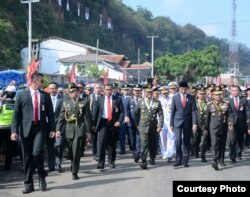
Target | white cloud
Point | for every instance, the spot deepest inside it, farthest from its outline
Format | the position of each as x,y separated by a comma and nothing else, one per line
210,30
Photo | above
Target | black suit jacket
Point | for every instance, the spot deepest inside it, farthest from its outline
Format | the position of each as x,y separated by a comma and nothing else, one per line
117,111
23,113
59,103
180,115
237,116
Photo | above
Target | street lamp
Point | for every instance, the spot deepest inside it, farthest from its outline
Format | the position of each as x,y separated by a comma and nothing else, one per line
30,25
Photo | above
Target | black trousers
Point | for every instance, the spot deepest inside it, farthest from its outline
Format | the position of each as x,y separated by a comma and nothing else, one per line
218,144
33,154
236,140
183,135
94,137
7,147
107,138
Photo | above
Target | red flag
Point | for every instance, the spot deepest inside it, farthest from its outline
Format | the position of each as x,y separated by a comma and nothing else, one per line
155,81
72,74
32,68
105,76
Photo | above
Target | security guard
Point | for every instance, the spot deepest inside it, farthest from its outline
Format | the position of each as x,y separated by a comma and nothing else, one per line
216,122
75,115
146,113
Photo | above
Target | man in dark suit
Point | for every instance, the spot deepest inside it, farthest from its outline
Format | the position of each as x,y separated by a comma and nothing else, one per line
133,131
93,103
109,115
33,117
55,146
183,120
76,116
237,114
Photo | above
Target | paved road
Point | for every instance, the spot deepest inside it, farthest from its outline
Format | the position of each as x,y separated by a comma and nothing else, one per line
126,180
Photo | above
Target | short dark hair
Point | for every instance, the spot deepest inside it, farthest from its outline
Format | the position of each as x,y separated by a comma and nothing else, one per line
109,85
35,76
53,83
80,83
236,86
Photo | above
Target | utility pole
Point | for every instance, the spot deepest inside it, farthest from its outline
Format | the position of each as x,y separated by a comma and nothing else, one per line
97,48
152,53
138,66
30,25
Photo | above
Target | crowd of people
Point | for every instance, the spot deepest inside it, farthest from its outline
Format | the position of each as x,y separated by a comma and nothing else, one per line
176,120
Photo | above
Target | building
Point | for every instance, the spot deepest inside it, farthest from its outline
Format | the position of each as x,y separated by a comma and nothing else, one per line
54,48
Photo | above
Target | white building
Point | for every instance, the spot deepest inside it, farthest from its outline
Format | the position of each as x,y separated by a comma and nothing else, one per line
54,48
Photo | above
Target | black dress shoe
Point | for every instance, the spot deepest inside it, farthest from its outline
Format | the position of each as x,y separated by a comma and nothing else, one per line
59,168
152,162
42,183
100,167
122,152
75,177
28,190
239,158
196,155
186,165
215,166
177,164
203,160
136,159
222,163
233,161
112,166
51,170
143,166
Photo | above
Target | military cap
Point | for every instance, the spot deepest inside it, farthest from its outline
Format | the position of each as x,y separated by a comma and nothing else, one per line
211,86
137,87
192,89
115,85
156,89
183,84
217,90
201,90
148,87
125,87
72,87
172,85
164,89
223,86
88,87
248,88
199,86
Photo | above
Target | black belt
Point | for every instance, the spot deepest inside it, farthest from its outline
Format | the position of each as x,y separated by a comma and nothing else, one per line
35,122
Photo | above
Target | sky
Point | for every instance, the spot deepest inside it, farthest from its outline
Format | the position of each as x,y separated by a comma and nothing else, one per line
212,16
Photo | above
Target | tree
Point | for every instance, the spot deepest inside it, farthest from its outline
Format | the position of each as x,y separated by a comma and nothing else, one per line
190,66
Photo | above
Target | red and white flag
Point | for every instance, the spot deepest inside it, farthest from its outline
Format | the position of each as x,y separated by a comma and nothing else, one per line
78,9
67,5
109,23
105,76
86,13
32,68
72,74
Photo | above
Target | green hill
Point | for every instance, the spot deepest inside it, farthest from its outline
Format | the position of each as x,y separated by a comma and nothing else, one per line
129,30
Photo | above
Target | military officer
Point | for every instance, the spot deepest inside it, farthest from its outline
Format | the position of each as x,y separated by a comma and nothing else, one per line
201,137
146,121
216,123
209,89
76,116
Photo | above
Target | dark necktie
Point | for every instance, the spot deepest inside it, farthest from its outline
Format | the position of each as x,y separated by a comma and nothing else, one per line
35,107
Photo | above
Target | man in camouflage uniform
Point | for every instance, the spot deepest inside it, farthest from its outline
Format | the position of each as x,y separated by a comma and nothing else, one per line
146,120
216,122
75,115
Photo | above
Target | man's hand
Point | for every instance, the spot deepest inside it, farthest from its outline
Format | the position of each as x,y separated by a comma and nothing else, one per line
51,134
126,119
194,128
172,129
14,136
117,124
249,131
58,134
205,132
159,129
230,127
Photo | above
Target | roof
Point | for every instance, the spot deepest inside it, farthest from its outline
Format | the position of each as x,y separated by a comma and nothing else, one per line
81,58
90,48
114,58
145,65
